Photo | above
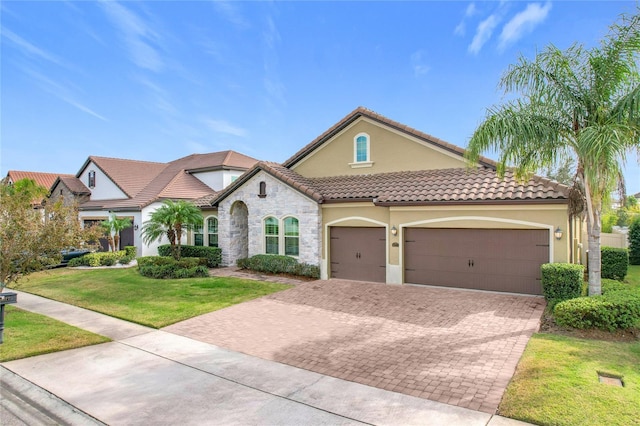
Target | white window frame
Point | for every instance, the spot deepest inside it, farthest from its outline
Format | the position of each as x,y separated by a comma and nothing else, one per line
281,235
206,228
367,161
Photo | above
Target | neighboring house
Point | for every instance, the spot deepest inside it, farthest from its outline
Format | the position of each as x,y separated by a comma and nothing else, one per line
372,199
135,189
42,179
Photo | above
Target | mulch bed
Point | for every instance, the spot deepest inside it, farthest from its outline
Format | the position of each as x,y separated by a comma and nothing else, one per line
548,325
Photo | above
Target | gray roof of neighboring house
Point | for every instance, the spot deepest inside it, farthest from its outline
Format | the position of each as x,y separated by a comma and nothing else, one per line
146,182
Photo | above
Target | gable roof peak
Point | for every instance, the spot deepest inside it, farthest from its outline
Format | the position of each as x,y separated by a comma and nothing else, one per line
381,119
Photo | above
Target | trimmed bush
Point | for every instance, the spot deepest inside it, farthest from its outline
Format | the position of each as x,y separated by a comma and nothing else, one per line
615,310
276,264
212,254
611,286
130,251
165,267
561,281
615,263
98,259
634,242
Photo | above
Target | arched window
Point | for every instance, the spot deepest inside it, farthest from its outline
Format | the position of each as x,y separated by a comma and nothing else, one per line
291,237
271,236
198,236
361,148
212,231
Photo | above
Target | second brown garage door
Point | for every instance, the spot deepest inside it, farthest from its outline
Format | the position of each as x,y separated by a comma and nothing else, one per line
486,259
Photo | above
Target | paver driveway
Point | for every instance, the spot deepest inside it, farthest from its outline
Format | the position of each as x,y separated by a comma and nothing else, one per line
453,346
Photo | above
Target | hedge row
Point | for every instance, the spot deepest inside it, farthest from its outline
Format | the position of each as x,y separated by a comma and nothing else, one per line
165,267
276,264
617,308
634,242
102,259
213,255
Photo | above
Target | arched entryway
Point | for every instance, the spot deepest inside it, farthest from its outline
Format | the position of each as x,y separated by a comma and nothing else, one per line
239,231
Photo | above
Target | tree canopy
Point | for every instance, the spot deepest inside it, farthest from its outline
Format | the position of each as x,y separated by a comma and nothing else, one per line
576,103
32,238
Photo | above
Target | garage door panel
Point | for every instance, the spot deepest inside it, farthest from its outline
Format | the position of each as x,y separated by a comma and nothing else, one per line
485,259
358,253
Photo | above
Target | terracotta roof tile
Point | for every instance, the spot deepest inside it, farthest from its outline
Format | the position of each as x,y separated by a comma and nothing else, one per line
447,186
42,179
75,185
150,182
185,186
131,176
457,185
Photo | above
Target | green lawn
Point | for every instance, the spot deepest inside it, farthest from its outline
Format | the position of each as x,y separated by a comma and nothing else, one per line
123,293
27,334
556,381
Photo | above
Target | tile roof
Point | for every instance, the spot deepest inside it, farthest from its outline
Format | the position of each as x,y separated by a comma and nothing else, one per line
147,182
365,112
131,176
443,186
42,179
74,184
423,187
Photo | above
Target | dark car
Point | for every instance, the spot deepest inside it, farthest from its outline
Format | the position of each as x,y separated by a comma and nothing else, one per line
71,253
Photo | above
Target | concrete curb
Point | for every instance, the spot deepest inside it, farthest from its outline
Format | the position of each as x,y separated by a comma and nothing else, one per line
23,402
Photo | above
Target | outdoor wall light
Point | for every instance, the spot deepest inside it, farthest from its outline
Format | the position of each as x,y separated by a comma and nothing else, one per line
135,227
394,231
558,233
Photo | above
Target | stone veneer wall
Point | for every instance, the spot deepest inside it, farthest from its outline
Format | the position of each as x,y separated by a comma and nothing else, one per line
281,201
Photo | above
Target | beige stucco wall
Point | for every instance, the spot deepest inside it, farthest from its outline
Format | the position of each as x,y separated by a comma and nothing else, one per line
523,216
390,151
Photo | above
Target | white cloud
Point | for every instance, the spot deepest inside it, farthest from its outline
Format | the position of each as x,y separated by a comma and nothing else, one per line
231,13
30,49
523,22
470,11
483,33
222,126
61,92
137,35
418,62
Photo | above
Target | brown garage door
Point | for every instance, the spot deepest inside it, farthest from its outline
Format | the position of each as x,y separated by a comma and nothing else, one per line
358,253
485,259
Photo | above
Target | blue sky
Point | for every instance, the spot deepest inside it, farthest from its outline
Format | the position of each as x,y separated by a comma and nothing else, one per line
160,80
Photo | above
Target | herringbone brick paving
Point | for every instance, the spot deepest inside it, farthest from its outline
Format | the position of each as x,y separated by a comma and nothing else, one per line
453,346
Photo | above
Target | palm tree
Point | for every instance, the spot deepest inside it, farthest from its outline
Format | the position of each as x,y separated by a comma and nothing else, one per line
578,103
112,227
172,219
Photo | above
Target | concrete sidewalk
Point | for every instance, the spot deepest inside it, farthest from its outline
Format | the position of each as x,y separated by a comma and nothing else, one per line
150,376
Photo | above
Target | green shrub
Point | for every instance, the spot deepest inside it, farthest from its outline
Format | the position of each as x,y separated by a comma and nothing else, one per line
634,242
125,260
276,264
561,281
212,254
615,310
615,263
608,220
610,286
165,267
98,259
130,251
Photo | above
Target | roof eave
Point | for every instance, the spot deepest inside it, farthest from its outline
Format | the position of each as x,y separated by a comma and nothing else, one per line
471,202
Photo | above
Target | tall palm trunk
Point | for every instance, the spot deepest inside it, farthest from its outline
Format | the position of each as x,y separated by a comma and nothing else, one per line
179,240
